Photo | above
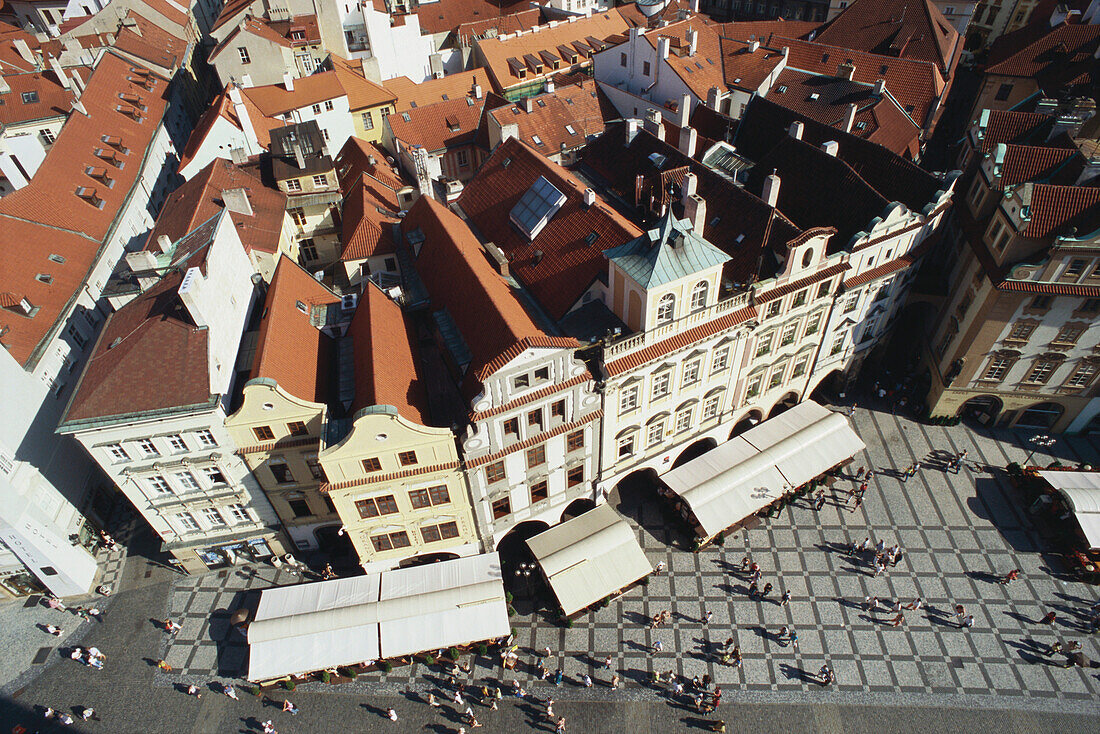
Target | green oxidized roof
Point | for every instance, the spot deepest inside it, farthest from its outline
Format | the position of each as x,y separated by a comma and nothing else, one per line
668,252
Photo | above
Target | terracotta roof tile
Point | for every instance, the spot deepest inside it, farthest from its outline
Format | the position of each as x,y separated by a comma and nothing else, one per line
705,69
198,199
552,114
366,230
354,159
433,126
230,11
911,29
680,341
759,30
275,99
671,11
411,94
415,471
523,20
258,27
532,397
1035,50
1009,126
222,107
744,68
445,16
893,266
572,242
289,348
386,362
1053,289
1055,209
150,356
10,60
362,92
151,43
53,100
1030,163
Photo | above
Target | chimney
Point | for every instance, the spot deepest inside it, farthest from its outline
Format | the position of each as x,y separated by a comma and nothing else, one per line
477,91
831,147
693,41
252,142
695,211
771,190
589,198
713,98
528,105
236,200
880,88
143,265
850,117
689,186
653,124
299,157
62,77
754,47
846,70
238,156
796,130
498,257
288,81
689,138
24,50
549,85
662,48
164,244
631,130
695,7
78,82
684,111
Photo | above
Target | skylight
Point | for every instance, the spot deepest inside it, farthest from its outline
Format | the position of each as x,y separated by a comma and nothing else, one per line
569,129
535,208
537,139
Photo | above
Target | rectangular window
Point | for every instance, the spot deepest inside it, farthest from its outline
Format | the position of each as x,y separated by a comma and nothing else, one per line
799,366
176,443
813,324
534,419
430,534
280,471
159,485
683,420
1076,267
117,453
721,357
390,541
574,476
799,299
511,427
372,464
1021,332
502,508
1082,376
753,388
574,441
645,68
263,433
47,135
1041,372
542,374
557,411
316,109
774,308
655,433
148,448
328,105
187,481
297,215
788,334
407,458
375,506
661,385
206,438
213,517
187,521
1003,92
300,508
521,381
76,336
239,513
368,121
823,289
320,180
293,184
462,158
691,372
764,345
710,407
539,491
626,446
494,472
297,428
628,399
449,530
421,498
245,58
315,469
998,367
536,456
1069,334
214,475
622,60
851,303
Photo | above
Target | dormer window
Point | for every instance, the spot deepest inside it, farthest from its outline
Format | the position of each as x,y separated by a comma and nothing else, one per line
30,97
133,99
99,174
130,112
108,155
115,142
89,195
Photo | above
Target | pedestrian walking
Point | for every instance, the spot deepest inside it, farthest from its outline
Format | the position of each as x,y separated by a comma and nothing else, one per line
391,714
65,719
1010,576
707,617
898,621
289,708
859,472
677,688
794,639
819,500
1073,645
968,621
607,662
459,701
1055,647
659,568
546,652
53,630
558,677
89,713
269,727
657,646
915,604
754,589
1048,619
163,665
737,656
550,708
561,725
432,702
615,680
767,590
786,599
858,502
587,680
193,690
870,603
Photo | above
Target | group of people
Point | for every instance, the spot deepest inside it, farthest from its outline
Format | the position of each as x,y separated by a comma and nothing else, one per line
87,713
90,656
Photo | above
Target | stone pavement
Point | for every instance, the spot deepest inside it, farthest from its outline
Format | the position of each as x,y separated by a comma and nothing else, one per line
959,532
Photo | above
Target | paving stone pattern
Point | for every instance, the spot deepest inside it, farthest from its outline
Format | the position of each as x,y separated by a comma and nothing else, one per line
959,533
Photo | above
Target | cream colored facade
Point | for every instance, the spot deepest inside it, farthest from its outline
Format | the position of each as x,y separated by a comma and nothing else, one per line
279,438
400,490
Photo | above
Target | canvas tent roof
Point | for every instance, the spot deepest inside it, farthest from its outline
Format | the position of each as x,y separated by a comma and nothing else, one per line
315,626
589,557
750,471
1082,492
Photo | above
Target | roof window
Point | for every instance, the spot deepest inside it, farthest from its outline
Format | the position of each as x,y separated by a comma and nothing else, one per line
115,142
405,117
44,278
56,258
781,88
30,97
89,195
301,307
536,139
108,155
569,129
536,207
99,174
541,102
814,97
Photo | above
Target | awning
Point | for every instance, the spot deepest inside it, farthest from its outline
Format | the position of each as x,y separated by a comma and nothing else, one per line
1081,490
589,557
307,627
747,473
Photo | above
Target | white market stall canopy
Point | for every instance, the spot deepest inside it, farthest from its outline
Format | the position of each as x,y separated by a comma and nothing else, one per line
307,627
1082,492
747,473
589,557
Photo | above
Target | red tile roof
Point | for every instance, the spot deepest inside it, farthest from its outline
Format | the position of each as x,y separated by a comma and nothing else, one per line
362,92
411,94
149,357
459,278
1030,163
49,213
230,10
532,397
683,340
1056,209
198,199
53,99
354,159
796,285
1062,52
1007,126
386,362
758,30
149,42
705,69
444,16
523,20
438,126
415,471
10,60
893,266
289,348
258,27
909,29
366,230
577,106
275,99
744,68
569,263
671,11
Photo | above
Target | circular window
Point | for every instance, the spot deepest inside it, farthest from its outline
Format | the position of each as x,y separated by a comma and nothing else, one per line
808,258
381,437
269,406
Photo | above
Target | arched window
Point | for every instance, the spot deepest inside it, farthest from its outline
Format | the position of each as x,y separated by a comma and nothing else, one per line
666,307
699,296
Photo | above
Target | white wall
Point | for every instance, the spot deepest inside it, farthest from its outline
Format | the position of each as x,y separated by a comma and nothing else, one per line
222,138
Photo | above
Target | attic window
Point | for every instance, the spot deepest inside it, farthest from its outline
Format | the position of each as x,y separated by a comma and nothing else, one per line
89,195
469,102
445,98
297,35
108,155
44,278
506,162
56,258
883,69
99,174
781,88
535,208
30,97
405,117
824,58
861,125
541,102
737,80
536,139
814,97
569,129
133,99
301,307
412,103
130,112
452,123
590,238
115,142
515,110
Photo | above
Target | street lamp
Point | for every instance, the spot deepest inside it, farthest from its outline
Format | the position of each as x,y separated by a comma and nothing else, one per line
1038,441
523,573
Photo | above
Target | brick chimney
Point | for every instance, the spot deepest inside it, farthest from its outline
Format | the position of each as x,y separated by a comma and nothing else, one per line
850,117
771,189
846,70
